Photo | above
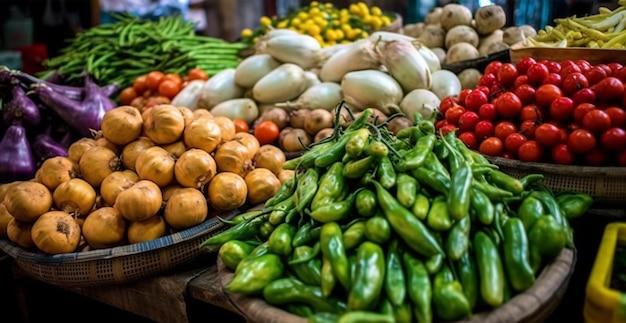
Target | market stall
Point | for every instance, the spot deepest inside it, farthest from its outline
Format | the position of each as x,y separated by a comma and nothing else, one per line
331,165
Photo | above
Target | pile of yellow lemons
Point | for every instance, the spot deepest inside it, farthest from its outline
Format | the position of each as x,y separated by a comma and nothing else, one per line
326,23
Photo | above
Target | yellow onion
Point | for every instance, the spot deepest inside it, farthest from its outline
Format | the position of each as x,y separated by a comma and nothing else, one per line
56,232
122,124
203,133
185,208
176,148
194,168
97,163
27,201
133,149
227,127
5,218
140,201
250,141
151,228
227,191
116,182
187,114
19,232
270,157
164,124
56,170
231,156
104,142
262,184
157,165
76,197
76,150
104,228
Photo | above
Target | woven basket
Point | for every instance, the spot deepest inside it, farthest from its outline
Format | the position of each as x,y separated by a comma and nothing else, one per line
606,184
534,305
119,264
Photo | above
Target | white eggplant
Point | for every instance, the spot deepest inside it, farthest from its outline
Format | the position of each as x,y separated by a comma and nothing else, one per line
360,55
253,68
421,101
302,50
219,88
188,96
284,83
405,64
245,109
445,83
371,89
325,95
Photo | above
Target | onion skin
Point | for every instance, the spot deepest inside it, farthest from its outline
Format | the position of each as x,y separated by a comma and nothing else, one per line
16,159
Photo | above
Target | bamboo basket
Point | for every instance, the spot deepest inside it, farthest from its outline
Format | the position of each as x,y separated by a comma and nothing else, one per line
607,185
534,305
119,264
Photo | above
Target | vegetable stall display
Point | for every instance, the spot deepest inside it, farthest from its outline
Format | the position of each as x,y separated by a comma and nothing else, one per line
148,174
384,228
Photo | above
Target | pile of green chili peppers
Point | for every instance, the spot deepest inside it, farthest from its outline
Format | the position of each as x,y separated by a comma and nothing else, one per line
414,227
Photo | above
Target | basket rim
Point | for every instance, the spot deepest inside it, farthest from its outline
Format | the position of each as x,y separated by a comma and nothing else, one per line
196,231
559,169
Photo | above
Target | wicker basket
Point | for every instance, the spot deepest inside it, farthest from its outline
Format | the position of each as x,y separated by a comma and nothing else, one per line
606,184
534,305
119,264
592,55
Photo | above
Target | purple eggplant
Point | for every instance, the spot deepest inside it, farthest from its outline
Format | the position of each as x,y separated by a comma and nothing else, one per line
72,92
83,116
44,147
20,109
16,158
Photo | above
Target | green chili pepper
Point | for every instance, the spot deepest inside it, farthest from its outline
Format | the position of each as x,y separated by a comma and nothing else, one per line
331,187
468,277
323,317
299,309
328,278
406,225
369,277
364,317
335,152
459,196
506,182
438,217
377,149
455,158
285,191
361,120
287,290
413,133
421,206
377,229
427,127
306,189
529,211
280,210
458,239
366,203
254,274
354,235
331,240
403,313
553,208
482,206
307,159
356,144
240,231
335,211
233,251
547,236
406,189
386,173
434,164
417,155
242,217
309,272
516,255
358,167
419,287
280,239
395,281
490,271
266,229
303,235
430,179
574,205
449,301
494,193
530,179
434,263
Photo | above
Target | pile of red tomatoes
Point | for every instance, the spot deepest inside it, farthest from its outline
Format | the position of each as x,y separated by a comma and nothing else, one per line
569,112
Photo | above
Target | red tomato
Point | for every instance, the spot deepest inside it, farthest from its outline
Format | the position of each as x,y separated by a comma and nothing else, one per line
139,84
617,115
573,82
609,88
169,88
526,93
484,129
153,79
585,95
553,66
468,121
581,141
562,109
562,155
266,132
513,141
487,79
531,112
620,73
453,114
241,125
595,74
614,67
546,93
527,128
463,94
474,100
493,67
469,139
524,63
596,121
503,129
597,157
491,146
439,124
506,74
537,73
581,110
488,111
482,88
197,74
447,129
568,69
447,103
495,91
553,78
583,64
530,151
613,139
508,105
548,135
127,95
522,79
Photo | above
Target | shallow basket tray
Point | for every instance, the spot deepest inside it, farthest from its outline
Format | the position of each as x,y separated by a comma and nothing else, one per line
119,264
593,55
606,184
536,304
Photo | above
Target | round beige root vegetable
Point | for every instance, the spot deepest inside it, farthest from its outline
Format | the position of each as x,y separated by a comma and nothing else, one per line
469,78
461,52
433,36
489,18
512,35
528,30
441,54
461,33
414,30
485,42
453,14
434,16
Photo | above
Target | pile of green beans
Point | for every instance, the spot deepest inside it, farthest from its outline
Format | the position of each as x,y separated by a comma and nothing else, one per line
121,51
